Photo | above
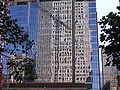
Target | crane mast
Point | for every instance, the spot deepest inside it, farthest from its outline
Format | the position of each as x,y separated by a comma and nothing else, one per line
59,22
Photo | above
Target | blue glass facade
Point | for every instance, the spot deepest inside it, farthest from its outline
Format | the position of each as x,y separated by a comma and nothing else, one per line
27,17
95,75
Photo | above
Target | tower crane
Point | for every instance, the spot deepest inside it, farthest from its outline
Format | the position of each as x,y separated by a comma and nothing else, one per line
58,22
73,33
54,18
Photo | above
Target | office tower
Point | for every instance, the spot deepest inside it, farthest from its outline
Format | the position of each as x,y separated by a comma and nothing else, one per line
26,13
67,45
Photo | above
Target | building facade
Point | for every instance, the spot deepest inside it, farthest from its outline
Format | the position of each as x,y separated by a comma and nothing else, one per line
109,73
67,41
26,13
68,34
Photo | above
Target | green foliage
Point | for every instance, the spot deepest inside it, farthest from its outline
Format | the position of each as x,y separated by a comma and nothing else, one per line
22,69
11,33
13,39
16,69
30,74
110,38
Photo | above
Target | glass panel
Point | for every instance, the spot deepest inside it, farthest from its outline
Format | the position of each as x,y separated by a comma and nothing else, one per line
92,4
95,65
94,39
93,27
92,10
95,59
95,46
92,21
94,33
92,16
95,52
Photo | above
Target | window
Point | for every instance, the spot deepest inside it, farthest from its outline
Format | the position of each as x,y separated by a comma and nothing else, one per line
93,27
92,21
95,65
92,10
92,15
95,59
92,4
77,78
94,39
94,33
95,52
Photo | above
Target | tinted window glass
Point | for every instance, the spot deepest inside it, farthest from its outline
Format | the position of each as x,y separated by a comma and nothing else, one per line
94,39
92,16
94,33
92,4
93,27
91,10
92,21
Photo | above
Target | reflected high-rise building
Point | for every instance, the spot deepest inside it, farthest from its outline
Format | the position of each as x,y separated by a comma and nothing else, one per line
67,44
66,36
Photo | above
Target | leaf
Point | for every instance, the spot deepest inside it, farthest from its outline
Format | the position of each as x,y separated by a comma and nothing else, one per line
14,38
110,38
102,37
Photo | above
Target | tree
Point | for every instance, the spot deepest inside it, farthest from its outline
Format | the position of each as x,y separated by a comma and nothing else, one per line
13,38
21,69
30,74
110,38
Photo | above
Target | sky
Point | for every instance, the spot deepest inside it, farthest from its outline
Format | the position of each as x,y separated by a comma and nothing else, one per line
106,6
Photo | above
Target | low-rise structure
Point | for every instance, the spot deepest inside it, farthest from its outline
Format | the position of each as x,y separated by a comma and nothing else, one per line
109,74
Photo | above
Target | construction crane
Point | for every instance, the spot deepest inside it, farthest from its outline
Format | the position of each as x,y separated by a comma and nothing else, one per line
57,22
54,18
73,33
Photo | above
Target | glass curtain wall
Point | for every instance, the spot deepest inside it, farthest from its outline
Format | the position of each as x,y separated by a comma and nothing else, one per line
26,14
27,17
95,74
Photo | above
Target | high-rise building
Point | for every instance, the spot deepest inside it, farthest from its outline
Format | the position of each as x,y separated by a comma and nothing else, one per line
68,42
